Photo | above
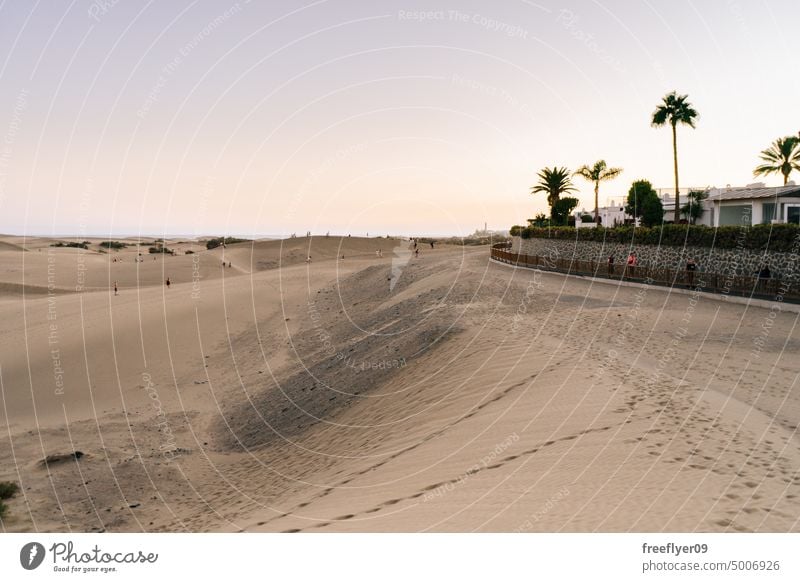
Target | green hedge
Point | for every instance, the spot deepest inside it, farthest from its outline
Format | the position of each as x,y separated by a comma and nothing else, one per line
773,237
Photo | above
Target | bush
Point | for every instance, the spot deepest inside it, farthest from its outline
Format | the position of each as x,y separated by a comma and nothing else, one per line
8,489
189,252
587,218
158,250
227,240
772,237
72,245
113,244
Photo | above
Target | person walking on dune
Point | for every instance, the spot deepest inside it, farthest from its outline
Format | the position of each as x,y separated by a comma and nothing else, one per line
115,288
168,282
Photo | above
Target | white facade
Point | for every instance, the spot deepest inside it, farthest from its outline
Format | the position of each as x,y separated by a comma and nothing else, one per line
752,204
755,204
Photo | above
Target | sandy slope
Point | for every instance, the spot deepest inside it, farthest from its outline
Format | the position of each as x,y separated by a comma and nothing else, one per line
446,394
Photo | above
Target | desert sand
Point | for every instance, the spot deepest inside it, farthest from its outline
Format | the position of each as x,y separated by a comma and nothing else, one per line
397,393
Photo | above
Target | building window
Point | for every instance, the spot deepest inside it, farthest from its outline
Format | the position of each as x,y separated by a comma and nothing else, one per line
768,212
735,215
792,213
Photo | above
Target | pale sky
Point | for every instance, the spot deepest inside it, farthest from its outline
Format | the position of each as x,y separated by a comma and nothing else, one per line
383,117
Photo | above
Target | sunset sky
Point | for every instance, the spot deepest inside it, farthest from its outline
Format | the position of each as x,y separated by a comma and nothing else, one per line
381,117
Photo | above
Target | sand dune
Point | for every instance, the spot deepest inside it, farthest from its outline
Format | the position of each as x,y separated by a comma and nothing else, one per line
399,393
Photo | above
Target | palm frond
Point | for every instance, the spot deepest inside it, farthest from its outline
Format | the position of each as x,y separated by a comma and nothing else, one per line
674,109
610,174
782,157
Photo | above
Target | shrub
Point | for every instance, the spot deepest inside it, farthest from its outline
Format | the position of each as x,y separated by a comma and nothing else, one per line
157,250
113,244
72,245
587,218
8,489
227,240
189,252
772,237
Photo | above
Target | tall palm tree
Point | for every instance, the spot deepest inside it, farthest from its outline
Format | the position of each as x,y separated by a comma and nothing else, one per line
674,109
600,172
782,157
555,182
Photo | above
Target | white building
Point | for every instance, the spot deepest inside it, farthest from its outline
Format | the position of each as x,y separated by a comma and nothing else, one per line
751,204
610,216
754,204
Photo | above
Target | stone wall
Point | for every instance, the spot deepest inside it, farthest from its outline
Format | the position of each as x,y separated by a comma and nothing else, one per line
744,262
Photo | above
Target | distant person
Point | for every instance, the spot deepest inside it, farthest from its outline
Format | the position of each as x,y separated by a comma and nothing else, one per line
630,265
431,244
308,259
764,272
168,282
691,267
230,264
610,263
116,290
416,251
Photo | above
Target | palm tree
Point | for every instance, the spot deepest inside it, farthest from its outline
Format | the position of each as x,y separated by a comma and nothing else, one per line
555,182
600,172
674,109
693,209
782,157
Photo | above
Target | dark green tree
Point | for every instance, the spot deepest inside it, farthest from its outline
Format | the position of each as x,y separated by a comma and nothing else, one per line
561,210
644,203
